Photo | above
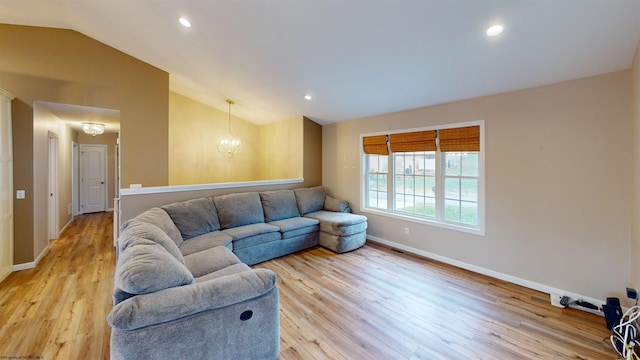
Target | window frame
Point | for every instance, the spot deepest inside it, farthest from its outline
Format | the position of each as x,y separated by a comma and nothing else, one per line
440,176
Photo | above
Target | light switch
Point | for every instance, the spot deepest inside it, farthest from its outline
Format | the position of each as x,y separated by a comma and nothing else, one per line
20,194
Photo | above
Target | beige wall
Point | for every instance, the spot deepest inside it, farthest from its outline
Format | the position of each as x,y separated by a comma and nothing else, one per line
280,156
132,205
63,66
194,130
111,140
635,245
558,183
46,124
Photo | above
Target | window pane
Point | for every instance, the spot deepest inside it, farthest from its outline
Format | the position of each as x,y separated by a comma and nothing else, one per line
452,210
469,189
452,188
383,161
452,164
470,164
373,163
469,213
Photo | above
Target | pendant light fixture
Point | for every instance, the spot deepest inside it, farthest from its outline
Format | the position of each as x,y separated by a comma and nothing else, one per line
229,145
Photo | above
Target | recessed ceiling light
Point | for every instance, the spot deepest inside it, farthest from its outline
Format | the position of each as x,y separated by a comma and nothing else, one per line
308,97
495,30
185,22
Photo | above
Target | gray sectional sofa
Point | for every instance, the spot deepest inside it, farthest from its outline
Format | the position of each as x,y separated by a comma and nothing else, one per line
183,285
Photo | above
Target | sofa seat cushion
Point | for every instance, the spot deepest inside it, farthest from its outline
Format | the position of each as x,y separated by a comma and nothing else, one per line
229,270
278,205
207,261
254,234
161,219
147,268
342,224
206,241
194,217
296,226
239,209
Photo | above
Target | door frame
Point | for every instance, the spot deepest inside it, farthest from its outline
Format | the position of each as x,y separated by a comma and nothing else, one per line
53,211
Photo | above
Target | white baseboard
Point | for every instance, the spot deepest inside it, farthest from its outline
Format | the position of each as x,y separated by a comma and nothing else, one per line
31,265
65,227
498,275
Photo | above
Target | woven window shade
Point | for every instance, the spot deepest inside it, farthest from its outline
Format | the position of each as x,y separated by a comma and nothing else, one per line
413,141
460,139
375,145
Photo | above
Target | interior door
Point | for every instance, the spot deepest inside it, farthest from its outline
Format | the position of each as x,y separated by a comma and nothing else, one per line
6,187
93,181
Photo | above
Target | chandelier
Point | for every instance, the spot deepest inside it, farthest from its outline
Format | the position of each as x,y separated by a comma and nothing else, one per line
93,129
229,145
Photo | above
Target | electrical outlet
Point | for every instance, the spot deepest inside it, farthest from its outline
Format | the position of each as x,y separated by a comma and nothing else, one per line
406,231
555,300
20,194
632,293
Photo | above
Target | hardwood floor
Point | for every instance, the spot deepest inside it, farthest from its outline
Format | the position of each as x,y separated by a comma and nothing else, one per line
58,309
373,303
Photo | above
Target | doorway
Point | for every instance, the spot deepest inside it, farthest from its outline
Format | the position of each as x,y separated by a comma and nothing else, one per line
93,178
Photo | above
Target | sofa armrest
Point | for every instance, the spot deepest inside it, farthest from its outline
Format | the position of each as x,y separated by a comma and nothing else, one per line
178,302
337,205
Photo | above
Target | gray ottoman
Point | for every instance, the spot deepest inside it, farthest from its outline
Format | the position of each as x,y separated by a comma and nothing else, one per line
340,232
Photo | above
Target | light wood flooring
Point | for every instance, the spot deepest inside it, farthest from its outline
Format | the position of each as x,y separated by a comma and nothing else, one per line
372,303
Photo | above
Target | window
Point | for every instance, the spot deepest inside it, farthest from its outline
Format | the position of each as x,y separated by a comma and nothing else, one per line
437,175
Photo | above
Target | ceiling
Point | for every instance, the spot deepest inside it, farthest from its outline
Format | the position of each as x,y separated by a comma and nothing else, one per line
75,115
356,58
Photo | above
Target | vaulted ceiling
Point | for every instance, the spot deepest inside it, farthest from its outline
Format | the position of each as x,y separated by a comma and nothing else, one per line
356,58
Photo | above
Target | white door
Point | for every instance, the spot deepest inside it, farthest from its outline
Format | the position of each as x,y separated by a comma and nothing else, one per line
54,227
93,179
6,187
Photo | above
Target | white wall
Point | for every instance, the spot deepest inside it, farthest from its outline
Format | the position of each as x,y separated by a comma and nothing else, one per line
558,183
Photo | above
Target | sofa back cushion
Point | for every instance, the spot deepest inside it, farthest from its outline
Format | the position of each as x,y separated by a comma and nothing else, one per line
239,209
194,217
138,232
310,199
161,219
278,205
147,268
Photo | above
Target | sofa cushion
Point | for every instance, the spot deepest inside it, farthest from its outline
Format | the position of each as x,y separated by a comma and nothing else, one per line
279,204
342,224
229,270
206,241
337,205
296,226
138,232
310,199
194,217
161,219
239,209
253,234
143,269
210,260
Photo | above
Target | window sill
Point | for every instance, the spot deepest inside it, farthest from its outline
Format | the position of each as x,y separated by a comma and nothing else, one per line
423,221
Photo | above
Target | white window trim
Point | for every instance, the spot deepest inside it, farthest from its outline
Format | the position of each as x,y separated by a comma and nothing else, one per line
480,230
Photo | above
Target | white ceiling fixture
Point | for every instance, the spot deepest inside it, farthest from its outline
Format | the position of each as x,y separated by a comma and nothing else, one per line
495,30
185,22
93,129
308,97
394,56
